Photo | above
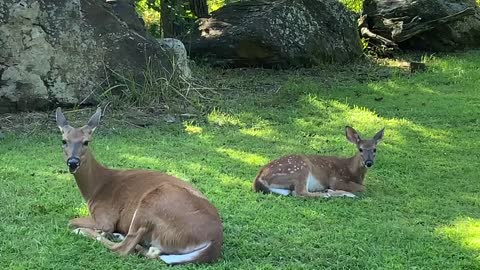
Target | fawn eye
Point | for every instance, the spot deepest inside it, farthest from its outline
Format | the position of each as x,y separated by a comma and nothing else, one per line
85,143
374,150
360,149
64,142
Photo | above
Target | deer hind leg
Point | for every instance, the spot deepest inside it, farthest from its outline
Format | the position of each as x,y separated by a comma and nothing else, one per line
135,235
301,191
130,242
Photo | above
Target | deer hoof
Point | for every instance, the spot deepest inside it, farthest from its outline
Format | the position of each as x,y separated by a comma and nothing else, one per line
77,231
349,195
118,236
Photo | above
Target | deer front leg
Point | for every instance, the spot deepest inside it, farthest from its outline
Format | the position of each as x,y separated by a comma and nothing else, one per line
82,222
95,235
345,189
87,227
88,222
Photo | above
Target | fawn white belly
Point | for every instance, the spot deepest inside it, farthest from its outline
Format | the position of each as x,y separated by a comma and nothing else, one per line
313,185
280,189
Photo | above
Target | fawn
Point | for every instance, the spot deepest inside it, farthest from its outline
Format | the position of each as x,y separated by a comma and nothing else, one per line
156,215
320,176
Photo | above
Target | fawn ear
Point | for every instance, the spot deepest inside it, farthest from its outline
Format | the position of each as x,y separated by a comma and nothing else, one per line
60,118
379,136
352,135
94,120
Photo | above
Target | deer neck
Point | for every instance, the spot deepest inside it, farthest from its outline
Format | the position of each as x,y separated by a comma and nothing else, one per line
91,176
357,167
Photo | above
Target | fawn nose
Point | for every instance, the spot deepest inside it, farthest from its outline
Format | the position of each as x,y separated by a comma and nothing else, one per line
368,163
73,163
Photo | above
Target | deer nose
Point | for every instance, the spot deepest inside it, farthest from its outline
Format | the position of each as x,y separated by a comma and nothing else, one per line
73,163
368,163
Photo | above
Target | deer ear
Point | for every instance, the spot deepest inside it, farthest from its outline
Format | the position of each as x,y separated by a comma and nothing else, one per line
60,118
379,136
95,120
352,135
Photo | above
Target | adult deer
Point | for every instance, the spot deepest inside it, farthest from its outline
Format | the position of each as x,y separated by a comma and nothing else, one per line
161,216
320,176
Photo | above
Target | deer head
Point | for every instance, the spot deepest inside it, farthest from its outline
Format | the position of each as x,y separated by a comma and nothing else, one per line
367,148
75,140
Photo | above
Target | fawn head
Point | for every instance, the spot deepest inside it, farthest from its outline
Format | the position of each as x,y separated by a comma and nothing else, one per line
75,140
367,148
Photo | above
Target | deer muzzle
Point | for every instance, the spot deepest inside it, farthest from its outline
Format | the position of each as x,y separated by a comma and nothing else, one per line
368,163
73,163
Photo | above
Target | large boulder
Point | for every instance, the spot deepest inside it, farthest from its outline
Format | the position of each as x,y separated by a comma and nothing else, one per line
433,25
57,52
277,33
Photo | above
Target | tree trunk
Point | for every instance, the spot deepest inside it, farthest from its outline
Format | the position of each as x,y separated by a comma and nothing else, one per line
168,18
199,8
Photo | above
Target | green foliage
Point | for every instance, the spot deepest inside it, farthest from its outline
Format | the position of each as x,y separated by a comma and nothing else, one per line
354,5
150,16
215,4
420,211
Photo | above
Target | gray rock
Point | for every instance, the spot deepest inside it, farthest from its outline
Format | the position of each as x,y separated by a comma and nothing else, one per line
176,48
55,52
277,33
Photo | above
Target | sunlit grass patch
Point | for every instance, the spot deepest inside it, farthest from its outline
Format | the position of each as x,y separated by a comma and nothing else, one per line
464,231
242,156
220,118
191,128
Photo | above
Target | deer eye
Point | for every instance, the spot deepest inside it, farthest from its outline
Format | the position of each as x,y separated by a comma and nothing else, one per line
360,149
64,142
374,150
85,143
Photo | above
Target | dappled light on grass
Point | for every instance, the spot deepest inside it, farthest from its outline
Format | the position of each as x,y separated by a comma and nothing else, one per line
334,114
145,162
242,156
192,129
220,118
141,159
465,232
261,132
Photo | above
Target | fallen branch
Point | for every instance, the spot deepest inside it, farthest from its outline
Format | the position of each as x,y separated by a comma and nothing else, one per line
365,32
402,31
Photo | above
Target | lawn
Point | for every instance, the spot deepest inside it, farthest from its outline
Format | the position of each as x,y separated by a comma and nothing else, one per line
421,209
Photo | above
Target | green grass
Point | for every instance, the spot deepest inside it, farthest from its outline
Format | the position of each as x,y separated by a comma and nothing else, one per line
421,209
